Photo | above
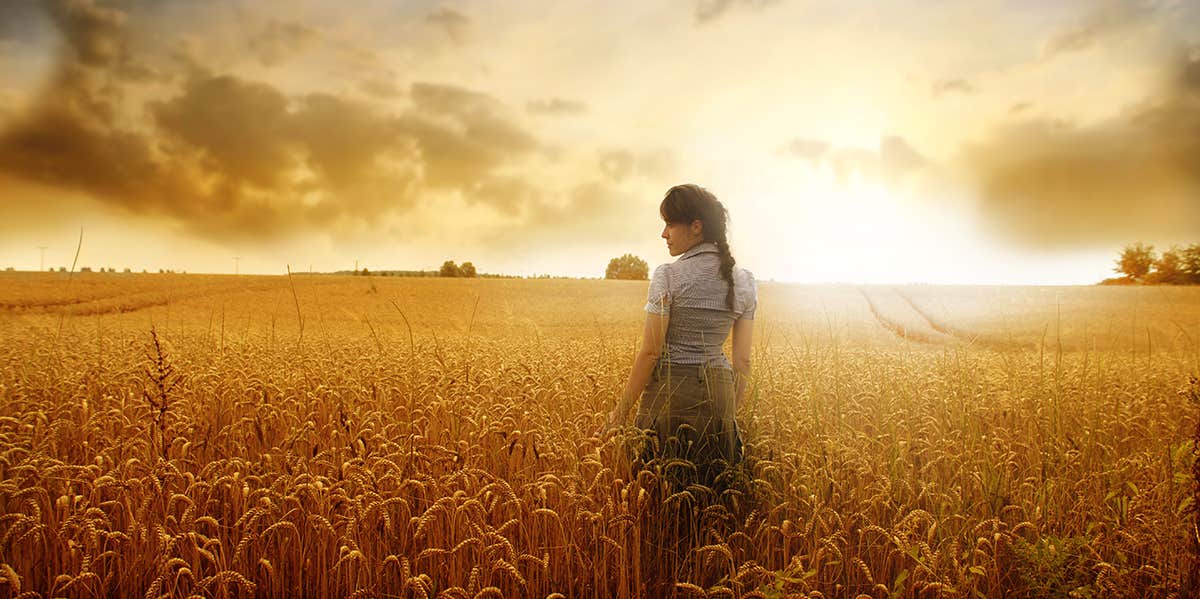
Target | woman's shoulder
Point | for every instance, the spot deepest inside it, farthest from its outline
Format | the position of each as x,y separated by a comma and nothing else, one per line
744,278
746,292
660,279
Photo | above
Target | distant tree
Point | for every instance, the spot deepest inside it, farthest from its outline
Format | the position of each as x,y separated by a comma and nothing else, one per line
628,267
1136,260
467,270
1168,268
449,269
127,269
1189,259
85,269
365,272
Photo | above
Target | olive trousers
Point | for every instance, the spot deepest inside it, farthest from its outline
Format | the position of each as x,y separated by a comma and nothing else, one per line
687,411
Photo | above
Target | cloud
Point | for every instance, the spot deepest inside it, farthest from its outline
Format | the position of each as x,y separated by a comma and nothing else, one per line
240,126
1107,19
67,138
281,40
508,194
711,10
892,162
380,87
620,164
1135,176
947,86
812,150
463,135
230,157
589,211
456,24
21,21
555,107
95,34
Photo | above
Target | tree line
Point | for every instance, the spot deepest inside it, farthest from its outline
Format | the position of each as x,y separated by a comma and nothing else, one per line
1140,263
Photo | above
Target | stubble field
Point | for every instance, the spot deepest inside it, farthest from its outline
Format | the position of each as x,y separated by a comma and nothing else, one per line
178,435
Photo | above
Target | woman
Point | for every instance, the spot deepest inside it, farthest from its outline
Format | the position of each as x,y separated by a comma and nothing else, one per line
689,390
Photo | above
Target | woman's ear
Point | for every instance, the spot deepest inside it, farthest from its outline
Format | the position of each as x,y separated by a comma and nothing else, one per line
697,228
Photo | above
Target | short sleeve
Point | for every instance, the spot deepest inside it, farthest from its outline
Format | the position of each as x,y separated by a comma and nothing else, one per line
658,298
749,291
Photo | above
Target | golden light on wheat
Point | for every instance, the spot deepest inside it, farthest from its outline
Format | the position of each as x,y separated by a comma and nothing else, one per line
166,436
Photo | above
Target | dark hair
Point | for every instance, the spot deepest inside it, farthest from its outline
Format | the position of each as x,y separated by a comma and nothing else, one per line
689,202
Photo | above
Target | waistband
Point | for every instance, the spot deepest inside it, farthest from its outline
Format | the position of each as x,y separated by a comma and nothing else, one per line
662,367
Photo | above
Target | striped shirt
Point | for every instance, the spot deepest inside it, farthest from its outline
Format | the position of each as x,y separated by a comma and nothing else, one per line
692,291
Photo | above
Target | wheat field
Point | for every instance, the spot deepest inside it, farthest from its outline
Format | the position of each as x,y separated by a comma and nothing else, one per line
321,436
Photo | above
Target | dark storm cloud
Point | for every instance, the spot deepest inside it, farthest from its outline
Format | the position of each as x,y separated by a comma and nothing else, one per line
555,107
463,135
66,139
891,162
240,126
95,34
1135,176
22,20
230,157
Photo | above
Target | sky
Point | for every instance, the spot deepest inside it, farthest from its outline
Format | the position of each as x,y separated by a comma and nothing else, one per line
969,142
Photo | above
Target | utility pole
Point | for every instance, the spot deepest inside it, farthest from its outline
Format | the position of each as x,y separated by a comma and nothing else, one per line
356,267
42,267
235,264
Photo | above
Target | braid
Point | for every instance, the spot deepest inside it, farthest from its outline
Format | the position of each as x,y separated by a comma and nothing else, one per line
727,263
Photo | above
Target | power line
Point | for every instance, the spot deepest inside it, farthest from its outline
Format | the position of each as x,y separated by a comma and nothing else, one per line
42,266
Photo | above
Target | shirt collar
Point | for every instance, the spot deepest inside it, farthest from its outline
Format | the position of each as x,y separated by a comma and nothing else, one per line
700,248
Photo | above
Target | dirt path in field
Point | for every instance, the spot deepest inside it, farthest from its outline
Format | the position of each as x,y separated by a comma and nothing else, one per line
901,330
119,303
965,335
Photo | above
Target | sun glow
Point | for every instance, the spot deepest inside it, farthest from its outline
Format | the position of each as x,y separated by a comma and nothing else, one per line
839,227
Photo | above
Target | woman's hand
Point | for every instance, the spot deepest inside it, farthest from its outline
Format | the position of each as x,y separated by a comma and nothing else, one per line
611,421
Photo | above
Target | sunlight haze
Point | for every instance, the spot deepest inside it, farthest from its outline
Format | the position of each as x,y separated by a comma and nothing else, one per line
974,142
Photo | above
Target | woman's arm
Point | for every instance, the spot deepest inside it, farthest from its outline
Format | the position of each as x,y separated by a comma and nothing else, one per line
743,330
653,335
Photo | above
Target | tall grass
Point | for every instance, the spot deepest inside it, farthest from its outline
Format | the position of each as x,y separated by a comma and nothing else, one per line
367,467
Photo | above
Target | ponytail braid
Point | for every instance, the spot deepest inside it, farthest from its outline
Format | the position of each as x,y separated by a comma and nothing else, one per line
716,225
727,263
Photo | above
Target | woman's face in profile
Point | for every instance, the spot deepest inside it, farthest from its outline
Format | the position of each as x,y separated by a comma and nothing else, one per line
682,236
